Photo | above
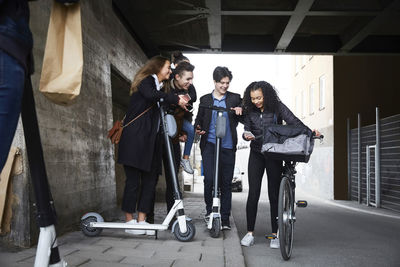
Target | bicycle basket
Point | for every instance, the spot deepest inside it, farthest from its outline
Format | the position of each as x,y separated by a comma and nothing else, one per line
286,142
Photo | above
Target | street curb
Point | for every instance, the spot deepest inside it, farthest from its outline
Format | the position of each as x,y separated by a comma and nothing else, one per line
232,249
355,206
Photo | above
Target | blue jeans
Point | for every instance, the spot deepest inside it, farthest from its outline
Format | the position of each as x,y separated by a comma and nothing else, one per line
227,163
12,80
189,129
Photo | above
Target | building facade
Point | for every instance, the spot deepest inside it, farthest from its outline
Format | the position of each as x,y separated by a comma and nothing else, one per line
312,102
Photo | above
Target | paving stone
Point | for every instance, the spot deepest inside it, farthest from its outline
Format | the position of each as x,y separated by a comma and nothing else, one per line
96,263
214,242
206,257
203,249
68,248
130,252
118,243
186,263
177,255
147,261
99,256
161,246
74,260
238,261
12,257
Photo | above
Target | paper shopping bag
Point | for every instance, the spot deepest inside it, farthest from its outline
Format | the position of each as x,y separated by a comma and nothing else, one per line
61,76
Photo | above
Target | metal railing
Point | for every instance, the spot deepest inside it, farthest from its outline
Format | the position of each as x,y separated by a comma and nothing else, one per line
374,176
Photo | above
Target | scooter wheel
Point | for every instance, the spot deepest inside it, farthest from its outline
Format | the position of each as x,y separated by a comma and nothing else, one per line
87,230
215,228
185,237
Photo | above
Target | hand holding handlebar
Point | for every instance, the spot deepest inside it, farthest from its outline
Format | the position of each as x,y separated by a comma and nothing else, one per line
199,131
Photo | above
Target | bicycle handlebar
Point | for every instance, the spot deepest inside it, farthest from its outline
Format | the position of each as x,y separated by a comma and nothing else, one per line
321,137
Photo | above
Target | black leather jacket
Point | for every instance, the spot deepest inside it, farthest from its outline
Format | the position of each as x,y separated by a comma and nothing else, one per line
255,121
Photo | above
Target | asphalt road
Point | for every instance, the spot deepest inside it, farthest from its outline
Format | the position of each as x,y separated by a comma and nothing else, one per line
325,235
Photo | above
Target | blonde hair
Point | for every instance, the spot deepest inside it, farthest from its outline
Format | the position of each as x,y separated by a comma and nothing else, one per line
152,66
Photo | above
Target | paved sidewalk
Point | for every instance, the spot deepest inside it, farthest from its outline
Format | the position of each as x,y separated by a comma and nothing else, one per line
116,248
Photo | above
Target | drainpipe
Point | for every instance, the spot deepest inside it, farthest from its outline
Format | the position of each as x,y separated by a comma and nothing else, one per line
359,157
378,162
348,160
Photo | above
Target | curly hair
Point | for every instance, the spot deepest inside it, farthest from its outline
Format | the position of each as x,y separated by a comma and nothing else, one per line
270,95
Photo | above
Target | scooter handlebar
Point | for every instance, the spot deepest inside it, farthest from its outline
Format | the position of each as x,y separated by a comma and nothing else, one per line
216,108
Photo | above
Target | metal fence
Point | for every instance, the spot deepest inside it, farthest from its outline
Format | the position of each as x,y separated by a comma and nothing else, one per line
374,163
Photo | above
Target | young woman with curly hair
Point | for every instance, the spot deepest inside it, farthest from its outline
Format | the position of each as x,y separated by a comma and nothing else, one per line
262,106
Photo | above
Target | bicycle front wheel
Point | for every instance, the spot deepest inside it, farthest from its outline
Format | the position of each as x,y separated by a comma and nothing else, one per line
286,218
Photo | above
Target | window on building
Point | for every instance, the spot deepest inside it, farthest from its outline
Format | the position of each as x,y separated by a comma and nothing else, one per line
322,85
303,61
304,103
297,64
311,99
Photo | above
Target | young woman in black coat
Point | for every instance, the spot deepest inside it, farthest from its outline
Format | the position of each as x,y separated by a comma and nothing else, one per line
262,106
139,149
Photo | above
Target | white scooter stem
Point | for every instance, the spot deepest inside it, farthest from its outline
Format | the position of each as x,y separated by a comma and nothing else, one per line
216,203
47,242
178,205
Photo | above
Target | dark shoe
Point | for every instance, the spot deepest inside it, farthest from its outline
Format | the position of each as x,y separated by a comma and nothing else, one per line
226,225
150,218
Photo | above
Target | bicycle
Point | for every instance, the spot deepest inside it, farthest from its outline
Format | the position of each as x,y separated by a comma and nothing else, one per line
286,207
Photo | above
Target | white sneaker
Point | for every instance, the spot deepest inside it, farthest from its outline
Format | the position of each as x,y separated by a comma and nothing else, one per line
274,243
247,240
148,232
185,163
134,232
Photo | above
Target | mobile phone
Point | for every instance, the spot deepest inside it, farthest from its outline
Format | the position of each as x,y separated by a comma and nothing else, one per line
189,108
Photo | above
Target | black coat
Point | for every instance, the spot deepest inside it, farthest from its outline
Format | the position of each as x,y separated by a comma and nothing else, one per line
137,144
204,116
255,121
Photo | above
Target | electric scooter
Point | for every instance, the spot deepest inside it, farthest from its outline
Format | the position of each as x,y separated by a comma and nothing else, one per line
214,222
183,228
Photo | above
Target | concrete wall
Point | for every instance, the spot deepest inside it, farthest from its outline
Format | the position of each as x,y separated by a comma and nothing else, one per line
315,177
79,157
361,84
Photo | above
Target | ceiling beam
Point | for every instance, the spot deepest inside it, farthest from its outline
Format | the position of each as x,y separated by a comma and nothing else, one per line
355,39
199,10
183,45
214,24
300,12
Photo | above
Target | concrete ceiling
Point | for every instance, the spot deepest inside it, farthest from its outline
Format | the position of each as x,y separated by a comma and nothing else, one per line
263,26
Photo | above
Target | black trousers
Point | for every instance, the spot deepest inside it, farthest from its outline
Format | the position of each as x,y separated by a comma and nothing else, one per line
258,163
226,166
139,190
